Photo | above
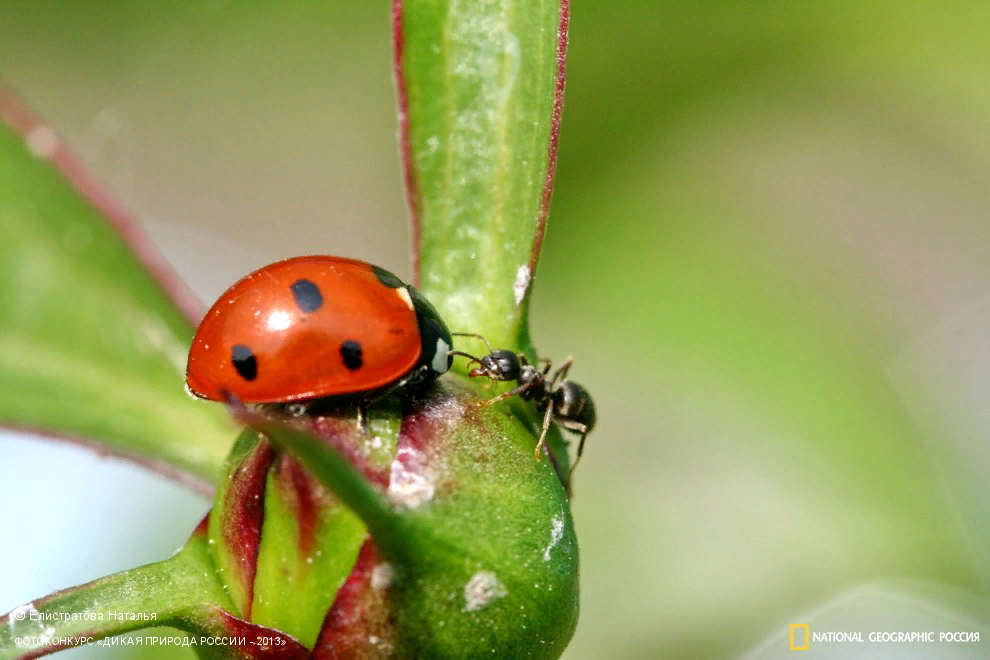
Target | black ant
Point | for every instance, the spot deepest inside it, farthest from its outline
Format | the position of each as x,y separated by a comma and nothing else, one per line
564,401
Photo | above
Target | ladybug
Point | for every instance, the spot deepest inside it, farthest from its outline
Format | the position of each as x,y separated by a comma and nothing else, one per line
316,327
564,401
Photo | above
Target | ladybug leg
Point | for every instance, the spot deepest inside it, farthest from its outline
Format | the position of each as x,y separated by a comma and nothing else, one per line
542,444
363,404
233,401
410,377
362,416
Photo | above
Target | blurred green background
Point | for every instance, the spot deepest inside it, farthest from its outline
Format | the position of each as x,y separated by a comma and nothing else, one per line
767,253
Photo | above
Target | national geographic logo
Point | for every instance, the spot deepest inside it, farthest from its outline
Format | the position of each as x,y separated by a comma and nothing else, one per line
800,637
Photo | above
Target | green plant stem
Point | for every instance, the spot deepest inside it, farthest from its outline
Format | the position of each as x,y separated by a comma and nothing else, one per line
174,592
480,93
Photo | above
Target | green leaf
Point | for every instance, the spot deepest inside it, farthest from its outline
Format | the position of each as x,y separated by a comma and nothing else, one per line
480,92
91,346
165,590
182,592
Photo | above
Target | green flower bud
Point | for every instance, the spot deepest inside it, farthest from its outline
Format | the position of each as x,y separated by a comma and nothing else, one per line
449,541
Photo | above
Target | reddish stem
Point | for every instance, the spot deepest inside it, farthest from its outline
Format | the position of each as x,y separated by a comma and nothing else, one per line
558,108
405,153
37,132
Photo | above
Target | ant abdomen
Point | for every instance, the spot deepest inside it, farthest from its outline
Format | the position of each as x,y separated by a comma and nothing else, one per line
571,402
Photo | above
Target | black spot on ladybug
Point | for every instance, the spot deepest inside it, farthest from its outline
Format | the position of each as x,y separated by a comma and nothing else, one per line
350,350
244,362
387,278
307,295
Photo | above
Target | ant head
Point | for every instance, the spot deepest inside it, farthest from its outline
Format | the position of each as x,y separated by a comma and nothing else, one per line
498,365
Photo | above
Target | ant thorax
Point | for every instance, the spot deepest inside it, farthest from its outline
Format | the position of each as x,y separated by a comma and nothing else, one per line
533,378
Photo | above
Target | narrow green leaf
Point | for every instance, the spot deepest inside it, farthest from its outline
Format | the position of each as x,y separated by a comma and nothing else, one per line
480,93
343,479
92,346
282,543
296,579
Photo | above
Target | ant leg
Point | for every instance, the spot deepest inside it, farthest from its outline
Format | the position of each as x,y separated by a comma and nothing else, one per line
546,368
505,395
547,364
541,445
583,430
561,372
476,336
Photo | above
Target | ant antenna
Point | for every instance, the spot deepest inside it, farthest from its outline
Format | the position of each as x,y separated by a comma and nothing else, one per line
463,354
476,336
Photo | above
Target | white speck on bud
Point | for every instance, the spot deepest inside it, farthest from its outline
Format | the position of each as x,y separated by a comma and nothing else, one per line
382,576
481,590
521,284
408,488
556,533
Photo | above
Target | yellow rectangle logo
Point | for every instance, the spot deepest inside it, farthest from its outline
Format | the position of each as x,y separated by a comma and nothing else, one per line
807,636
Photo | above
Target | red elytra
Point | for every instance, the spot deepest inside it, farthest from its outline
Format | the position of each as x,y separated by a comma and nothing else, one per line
313,327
